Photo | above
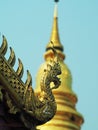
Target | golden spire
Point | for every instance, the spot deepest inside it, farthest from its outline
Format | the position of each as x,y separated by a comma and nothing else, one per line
67,117
55,36
55,33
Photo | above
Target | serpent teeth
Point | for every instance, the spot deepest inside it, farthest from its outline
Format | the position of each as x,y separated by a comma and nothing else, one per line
20,69
4,46
12,57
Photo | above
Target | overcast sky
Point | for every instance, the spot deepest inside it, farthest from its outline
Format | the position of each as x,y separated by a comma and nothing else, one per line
27,26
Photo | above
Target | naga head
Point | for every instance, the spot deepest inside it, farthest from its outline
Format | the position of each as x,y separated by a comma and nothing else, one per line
54,69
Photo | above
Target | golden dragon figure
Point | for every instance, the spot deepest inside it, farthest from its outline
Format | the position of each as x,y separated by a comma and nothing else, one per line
20,97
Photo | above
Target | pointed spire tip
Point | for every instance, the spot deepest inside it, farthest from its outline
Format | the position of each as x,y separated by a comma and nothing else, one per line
55,11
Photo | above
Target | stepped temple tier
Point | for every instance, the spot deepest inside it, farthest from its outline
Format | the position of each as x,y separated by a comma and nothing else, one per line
52,105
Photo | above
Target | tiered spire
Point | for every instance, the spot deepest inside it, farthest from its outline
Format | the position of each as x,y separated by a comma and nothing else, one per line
67,117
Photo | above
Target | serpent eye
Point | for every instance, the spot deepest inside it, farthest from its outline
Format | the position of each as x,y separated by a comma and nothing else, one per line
45,70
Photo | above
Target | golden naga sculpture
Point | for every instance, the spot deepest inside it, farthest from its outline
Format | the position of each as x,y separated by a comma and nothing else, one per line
20,97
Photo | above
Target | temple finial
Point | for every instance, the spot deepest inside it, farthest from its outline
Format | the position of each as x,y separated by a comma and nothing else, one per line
55,31
56,0
55,11
55,36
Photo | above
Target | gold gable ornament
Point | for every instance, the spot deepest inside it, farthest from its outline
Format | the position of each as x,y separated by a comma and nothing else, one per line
20,97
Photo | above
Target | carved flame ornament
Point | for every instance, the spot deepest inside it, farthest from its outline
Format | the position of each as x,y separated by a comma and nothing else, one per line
20,97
